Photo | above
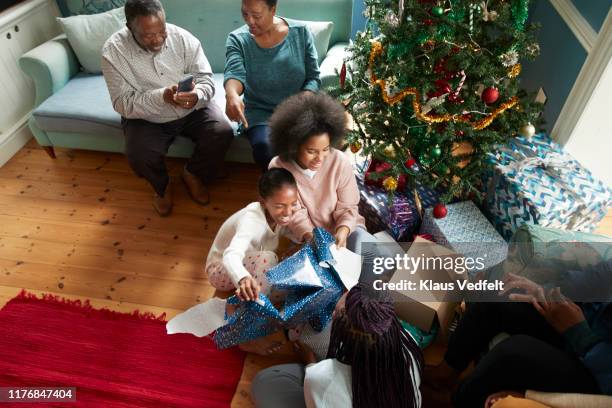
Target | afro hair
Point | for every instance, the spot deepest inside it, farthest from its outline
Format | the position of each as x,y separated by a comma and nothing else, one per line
302,116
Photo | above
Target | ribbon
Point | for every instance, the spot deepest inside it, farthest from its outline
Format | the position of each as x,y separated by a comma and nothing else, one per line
556,166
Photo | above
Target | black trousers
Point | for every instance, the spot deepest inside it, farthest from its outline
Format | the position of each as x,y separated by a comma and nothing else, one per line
147,143
534,357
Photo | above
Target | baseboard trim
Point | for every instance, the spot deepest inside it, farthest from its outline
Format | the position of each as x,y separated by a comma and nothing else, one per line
13,141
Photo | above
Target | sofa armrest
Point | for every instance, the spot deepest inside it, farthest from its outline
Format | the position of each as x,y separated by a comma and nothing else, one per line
50,65
332,63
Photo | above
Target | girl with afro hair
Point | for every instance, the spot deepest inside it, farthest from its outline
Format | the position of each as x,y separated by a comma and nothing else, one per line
305,129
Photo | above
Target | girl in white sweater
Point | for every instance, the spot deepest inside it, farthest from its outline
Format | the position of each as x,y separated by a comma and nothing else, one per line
244,248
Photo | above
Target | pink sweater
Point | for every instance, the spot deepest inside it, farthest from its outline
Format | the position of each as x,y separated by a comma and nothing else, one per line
329,199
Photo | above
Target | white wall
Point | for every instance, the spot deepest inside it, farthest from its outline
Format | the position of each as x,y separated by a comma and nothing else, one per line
591,140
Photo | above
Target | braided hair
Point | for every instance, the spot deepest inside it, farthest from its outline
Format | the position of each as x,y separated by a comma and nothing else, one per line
369,337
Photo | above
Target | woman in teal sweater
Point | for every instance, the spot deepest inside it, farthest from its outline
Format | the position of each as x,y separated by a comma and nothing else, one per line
267,60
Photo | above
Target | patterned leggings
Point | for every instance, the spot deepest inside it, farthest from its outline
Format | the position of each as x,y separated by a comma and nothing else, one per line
256,262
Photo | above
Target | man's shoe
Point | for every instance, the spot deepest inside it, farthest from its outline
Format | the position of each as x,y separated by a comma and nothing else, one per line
197,190
163,205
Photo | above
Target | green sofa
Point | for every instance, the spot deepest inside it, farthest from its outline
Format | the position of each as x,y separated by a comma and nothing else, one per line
73,109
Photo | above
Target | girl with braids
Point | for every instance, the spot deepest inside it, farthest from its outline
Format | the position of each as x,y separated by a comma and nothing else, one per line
371,362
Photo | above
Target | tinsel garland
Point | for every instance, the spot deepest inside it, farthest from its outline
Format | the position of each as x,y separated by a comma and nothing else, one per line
520,12
481,124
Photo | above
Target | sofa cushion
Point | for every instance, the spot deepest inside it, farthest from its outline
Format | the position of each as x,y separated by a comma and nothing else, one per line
321,32
84,106
88,33
212,20
74,7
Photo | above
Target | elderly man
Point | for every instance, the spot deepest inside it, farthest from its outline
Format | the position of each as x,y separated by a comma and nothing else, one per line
142,65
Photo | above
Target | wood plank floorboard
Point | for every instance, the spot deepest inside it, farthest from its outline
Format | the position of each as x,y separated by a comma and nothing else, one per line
82,226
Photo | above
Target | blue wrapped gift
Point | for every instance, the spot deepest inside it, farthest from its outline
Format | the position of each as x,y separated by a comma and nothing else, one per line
399,217
466,231
534,181
312,293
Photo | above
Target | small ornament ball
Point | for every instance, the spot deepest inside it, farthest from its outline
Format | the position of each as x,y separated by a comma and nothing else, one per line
490,95
436,152
409,163
440,211
437,11
527,130
355,147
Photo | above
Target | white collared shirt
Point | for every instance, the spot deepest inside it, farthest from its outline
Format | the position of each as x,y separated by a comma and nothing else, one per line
136,78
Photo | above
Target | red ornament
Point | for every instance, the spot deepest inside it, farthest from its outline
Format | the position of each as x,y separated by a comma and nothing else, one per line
343,75
443,86
440,211
409,163
378,166
490,95
459,133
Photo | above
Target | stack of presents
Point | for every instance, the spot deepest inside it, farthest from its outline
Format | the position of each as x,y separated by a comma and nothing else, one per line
531,182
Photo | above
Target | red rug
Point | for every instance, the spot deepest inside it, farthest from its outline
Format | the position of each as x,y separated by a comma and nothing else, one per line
113,359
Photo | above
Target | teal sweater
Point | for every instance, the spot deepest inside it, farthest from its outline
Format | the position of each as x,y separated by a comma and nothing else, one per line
270,75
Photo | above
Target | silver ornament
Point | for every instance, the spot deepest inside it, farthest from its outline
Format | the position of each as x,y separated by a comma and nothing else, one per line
527,130
509,58
533,49
392,19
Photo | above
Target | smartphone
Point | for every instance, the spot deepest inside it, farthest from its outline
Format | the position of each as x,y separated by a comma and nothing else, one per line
186,84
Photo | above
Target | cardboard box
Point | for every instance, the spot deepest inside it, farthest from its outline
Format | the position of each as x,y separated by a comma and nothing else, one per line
422,307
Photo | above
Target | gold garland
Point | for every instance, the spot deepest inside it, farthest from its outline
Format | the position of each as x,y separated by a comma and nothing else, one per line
377,50
514,71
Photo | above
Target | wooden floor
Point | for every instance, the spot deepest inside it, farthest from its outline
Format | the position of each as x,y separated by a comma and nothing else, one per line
82,226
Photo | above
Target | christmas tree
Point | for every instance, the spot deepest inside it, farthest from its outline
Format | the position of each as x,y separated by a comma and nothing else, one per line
433,86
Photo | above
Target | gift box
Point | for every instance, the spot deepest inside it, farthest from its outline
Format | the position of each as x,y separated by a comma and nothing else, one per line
534,181
467,231
398,216
312,284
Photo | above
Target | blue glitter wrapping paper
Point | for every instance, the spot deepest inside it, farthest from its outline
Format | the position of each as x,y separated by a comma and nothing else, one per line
312,294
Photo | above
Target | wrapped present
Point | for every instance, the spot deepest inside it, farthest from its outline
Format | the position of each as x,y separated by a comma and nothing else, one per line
399,217
467,231
312,284
534,181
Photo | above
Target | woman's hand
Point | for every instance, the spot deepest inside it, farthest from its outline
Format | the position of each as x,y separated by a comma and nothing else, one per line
305,353
493,398
234,109
531,290
560,312
248,289
341,235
